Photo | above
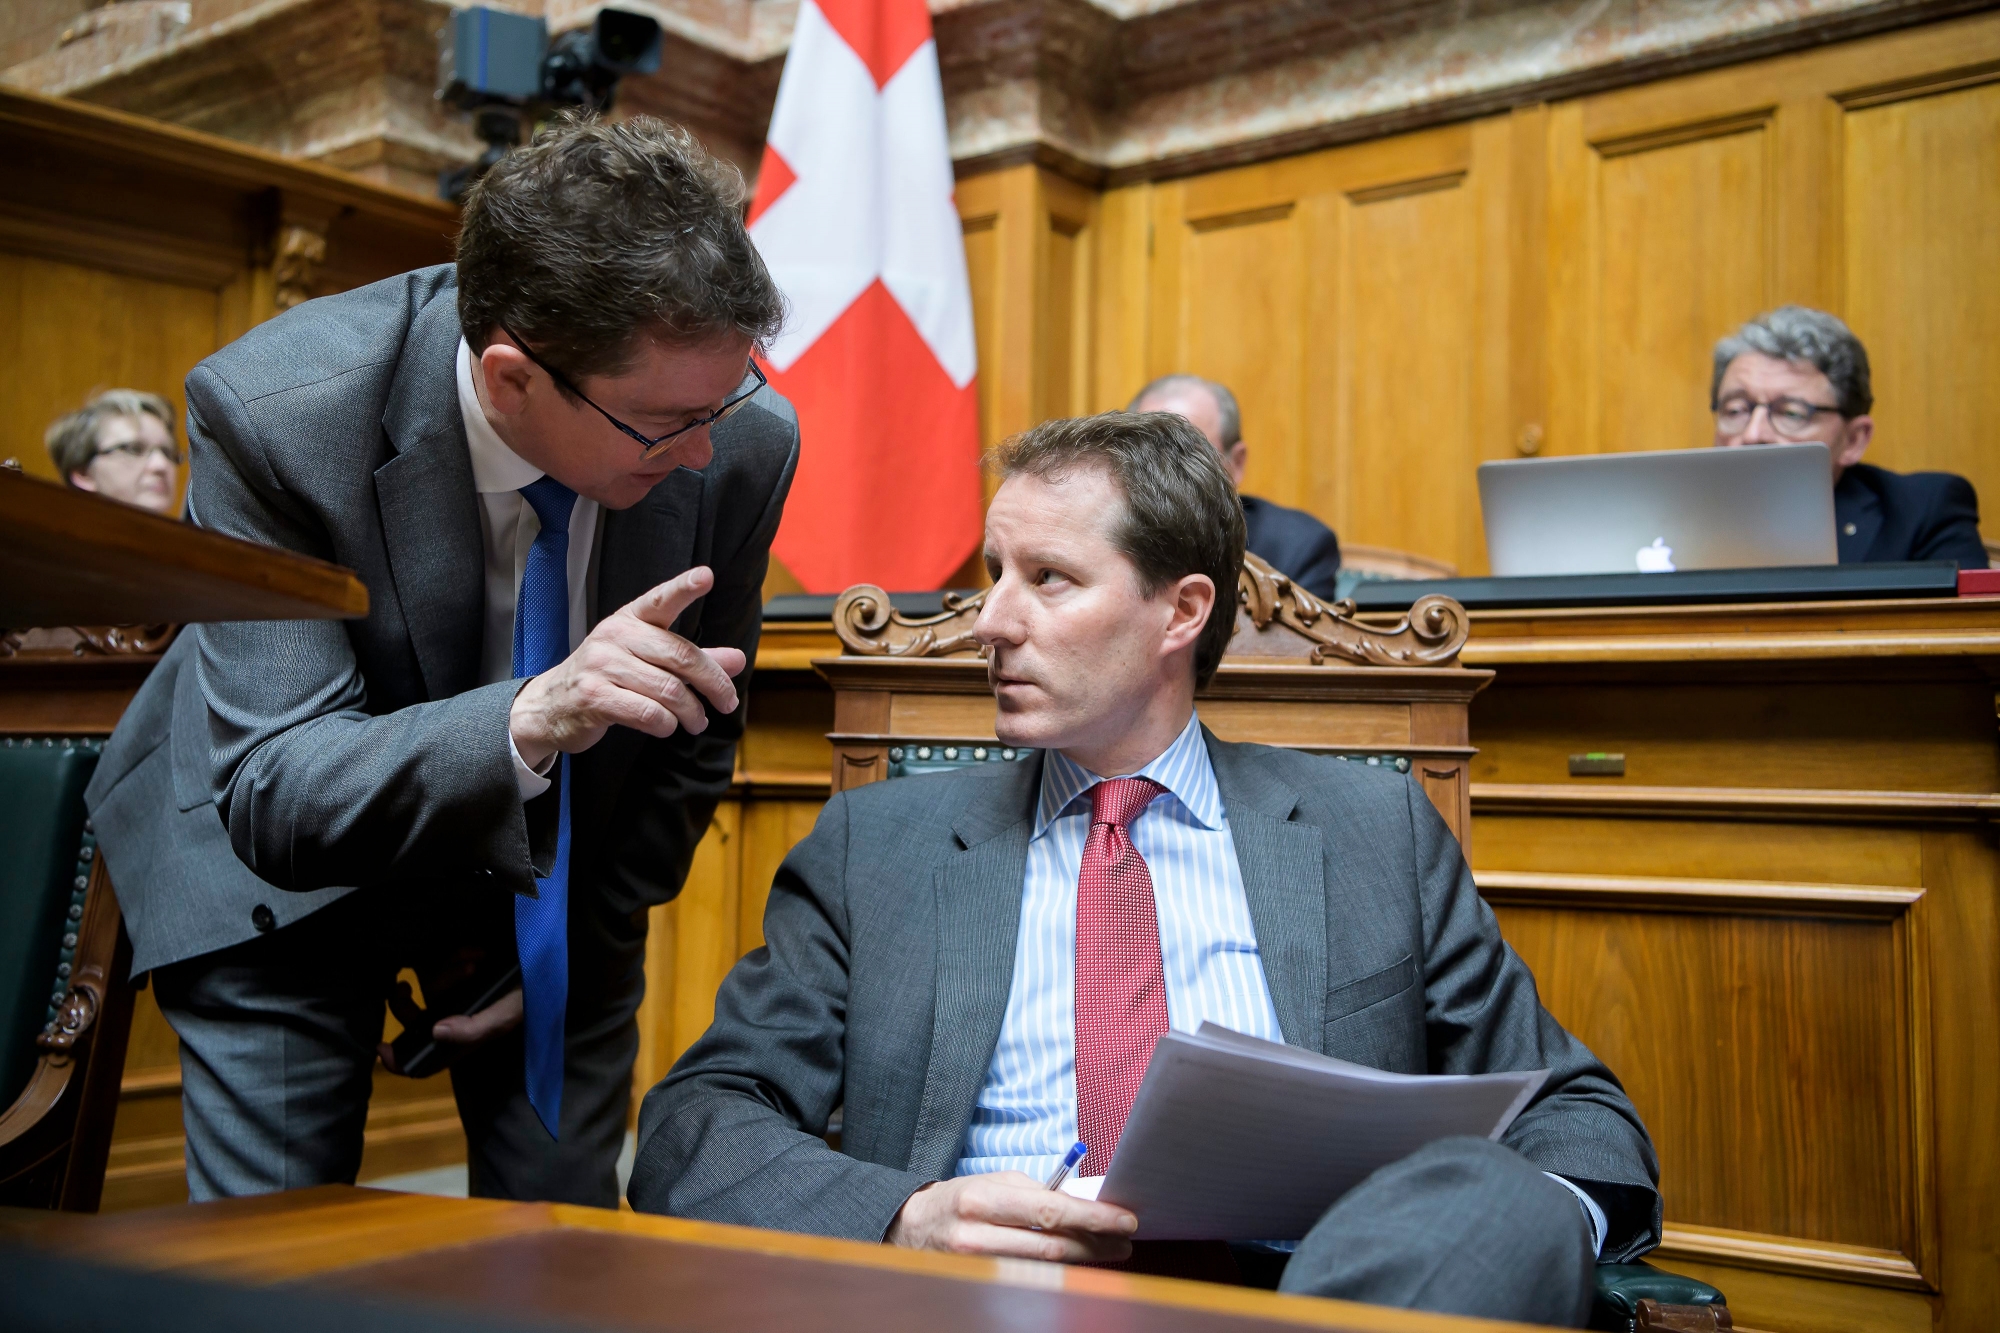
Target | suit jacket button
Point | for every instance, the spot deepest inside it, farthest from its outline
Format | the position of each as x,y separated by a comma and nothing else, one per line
263,918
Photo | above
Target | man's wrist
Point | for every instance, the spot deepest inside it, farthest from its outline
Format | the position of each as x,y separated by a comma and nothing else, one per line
530,752
531,780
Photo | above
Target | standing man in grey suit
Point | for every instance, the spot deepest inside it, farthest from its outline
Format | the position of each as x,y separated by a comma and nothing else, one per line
556,470
976,966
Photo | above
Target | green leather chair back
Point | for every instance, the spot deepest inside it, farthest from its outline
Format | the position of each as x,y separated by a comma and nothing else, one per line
45,856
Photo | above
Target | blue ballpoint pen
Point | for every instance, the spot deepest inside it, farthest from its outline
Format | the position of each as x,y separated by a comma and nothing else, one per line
1070,1159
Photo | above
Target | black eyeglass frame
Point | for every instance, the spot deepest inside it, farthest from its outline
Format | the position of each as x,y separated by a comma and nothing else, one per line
173,453
1811,411
650,447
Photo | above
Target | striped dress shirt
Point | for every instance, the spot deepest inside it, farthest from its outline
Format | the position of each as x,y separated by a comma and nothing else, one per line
1025,1119
1026,1115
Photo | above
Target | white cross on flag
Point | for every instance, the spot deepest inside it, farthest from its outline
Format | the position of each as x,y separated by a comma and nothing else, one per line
854,215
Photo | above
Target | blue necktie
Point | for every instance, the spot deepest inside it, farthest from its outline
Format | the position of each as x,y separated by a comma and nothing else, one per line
541,925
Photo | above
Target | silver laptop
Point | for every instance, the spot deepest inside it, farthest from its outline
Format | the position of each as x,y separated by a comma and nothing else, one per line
1652,513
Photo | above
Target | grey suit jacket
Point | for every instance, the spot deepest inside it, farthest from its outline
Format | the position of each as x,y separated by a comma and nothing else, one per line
320,756
890,949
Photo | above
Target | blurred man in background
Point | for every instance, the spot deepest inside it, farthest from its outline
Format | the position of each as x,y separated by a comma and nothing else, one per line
120,444
1797,376
1290,540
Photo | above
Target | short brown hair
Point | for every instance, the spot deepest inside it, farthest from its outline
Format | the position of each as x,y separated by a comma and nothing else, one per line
596,234
1181,513
72,438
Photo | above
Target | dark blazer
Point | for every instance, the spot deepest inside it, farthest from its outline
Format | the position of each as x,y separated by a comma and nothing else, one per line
891,935
1882,515
318,755
1294,543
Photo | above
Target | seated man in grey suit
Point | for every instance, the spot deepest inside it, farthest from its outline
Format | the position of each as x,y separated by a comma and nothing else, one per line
1291,541
525,457
976,966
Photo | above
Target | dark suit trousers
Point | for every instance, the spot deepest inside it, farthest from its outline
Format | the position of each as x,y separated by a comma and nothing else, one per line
278,1040
1462,1226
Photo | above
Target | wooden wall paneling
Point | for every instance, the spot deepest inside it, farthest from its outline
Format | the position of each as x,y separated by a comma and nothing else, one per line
1905,731
1355,300
705,926
1922,270
1825,1154
1066,224
1965,1078
770,830
1121,296
693,941
1859,178
68,330
1521,212
1411,362
1236,306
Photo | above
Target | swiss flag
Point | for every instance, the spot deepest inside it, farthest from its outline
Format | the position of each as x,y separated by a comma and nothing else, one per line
854,216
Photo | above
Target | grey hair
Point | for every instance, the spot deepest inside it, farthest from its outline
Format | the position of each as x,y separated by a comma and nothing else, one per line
1799,333
72,439
1225,402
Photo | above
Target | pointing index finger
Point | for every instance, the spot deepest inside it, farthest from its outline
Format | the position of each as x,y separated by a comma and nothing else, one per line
663,604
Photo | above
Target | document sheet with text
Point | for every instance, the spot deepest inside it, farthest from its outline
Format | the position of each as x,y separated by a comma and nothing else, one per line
1236,1138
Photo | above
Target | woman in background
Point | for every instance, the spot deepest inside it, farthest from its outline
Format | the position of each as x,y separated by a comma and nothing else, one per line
121,445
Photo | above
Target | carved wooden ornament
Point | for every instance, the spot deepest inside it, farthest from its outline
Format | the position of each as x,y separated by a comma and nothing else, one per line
1430,635
870,626
1275,619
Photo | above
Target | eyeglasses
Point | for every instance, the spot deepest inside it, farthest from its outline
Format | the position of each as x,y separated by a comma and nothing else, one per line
1790,417
137,452
651,446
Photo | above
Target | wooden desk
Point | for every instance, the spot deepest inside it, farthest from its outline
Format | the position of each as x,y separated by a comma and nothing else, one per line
86,568
1780,927
627,1270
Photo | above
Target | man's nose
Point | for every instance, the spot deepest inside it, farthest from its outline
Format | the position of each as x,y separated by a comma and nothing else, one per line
998,619
1759,430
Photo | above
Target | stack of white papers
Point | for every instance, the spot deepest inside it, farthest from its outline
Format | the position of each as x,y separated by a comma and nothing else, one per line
1235,1138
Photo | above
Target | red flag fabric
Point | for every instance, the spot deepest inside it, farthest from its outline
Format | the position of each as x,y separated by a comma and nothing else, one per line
855,217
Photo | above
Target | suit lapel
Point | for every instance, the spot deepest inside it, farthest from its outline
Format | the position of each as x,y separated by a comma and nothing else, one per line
1855,505
1284,880
649,543
978,891
430,513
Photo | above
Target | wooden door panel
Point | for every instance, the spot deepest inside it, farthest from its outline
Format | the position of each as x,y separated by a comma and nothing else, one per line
1682,240
1243,315
1695,1010
1922,269
1406,356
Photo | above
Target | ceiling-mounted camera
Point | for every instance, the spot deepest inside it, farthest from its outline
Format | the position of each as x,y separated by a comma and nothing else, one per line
502,67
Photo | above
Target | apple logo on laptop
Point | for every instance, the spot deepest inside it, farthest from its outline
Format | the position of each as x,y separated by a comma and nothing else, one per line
1657,558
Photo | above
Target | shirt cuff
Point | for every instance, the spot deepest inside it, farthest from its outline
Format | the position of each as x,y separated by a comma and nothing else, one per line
533,782
1590,1210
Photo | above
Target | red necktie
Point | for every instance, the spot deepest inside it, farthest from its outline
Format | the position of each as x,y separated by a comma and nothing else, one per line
1121,984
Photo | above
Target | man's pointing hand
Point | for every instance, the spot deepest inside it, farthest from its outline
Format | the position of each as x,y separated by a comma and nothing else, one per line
632,671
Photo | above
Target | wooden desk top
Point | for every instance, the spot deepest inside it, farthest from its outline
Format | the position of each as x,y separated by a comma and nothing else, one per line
70,558
629,1270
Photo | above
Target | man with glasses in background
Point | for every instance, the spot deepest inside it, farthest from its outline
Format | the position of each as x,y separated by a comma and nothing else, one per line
558,473
1797,376
120,445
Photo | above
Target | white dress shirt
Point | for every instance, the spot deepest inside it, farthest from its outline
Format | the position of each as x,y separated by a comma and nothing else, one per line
1025,1117
507,529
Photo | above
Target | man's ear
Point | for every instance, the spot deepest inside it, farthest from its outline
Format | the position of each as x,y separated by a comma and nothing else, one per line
504,376
1854,442
82,481
1193,597
1236,458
